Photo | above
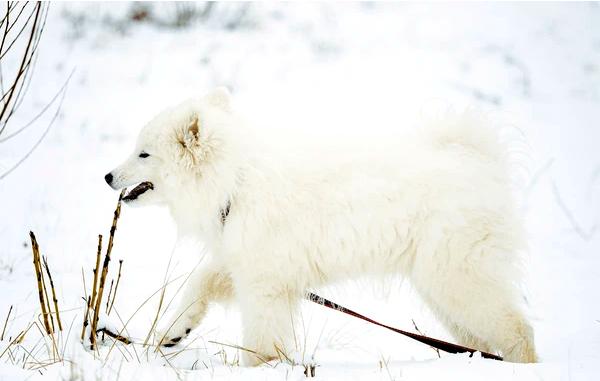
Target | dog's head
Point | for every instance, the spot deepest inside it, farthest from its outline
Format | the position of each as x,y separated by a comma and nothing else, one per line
174,148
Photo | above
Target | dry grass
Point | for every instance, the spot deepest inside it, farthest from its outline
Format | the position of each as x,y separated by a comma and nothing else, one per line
102,281
116,288
6,323
437,351
54,299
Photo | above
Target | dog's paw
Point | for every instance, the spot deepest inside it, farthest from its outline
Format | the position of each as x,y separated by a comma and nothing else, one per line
106,332
171,337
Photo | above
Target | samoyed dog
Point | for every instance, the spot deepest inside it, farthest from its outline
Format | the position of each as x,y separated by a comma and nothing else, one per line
436,210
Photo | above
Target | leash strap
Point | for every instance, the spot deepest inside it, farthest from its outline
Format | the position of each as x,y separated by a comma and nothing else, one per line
436,343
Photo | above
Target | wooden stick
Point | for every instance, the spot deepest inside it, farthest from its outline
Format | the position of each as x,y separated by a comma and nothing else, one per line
38,274
109,294
115,336
99,300
46,294
6,322
113,229
53,293
94,287
50,314
116,287
98,255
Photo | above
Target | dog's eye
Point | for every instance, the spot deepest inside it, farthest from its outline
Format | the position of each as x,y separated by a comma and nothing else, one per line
144,155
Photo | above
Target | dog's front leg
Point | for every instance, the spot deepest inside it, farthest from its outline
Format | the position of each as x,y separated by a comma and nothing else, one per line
268,315
205,285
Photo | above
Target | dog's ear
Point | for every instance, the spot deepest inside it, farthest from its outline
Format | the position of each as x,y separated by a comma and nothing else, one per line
193,147
220,97
191,134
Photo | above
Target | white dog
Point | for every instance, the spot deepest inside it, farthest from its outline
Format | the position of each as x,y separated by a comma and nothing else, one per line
437,210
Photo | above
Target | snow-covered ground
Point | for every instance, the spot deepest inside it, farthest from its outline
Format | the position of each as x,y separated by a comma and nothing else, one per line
317,71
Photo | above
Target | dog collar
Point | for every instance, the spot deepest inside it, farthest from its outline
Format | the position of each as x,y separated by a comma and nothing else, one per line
225,212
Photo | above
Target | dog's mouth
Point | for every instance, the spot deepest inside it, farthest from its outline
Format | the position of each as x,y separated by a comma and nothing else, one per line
139,190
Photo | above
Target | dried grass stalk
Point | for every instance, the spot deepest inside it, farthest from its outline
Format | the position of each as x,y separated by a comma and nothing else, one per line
16,340
116,287
422,334
102,280
6,322
54,299
85,317
39,277
109,294
86,299
96,306
98,255
46,294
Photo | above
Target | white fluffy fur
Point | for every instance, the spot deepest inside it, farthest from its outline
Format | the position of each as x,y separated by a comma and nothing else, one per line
437,210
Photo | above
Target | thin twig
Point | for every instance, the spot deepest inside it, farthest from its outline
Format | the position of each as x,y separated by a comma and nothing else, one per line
255,353
6,322
109,294
85,317
96,269
8,9
421,333
39,114
116,287
53,293
20,72
86,299
585,234
29,67
16,340
46,295
37,143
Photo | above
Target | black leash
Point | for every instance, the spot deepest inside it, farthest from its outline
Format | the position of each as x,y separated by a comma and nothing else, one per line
435,343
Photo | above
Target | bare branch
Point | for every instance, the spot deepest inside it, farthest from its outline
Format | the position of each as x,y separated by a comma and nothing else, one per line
42,112
2,176
23,63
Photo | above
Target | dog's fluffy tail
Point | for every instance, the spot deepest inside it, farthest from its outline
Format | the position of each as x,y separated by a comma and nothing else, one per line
468,131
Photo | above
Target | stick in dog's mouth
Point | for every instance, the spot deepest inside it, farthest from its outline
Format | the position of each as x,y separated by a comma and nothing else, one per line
138,190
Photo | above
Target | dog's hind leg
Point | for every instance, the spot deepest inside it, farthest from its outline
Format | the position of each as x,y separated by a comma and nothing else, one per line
481,315
463,335
205,285
474,293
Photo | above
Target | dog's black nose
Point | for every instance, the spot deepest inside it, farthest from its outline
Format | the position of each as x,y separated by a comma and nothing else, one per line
108,178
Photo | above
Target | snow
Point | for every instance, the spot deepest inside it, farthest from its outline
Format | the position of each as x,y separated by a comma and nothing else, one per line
308,73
